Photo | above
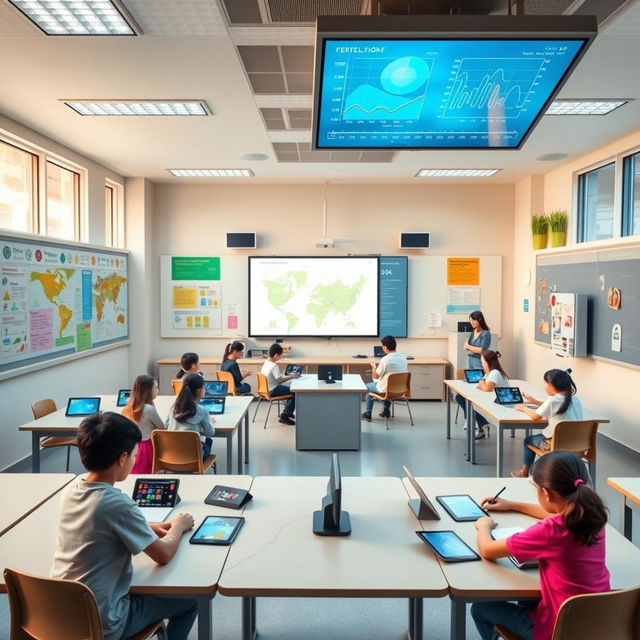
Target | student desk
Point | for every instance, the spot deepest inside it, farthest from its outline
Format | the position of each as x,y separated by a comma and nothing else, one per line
57,424
629,488
193,572
500,579
328,415
23,493
278,555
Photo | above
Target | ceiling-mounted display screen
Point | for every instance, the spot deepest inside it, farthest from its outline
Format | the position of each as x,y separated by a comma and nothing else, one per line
469,90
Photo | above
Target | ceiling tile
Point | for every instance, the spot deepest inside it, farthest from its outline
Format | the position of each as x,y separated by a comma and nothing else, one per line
300,82
171,18
315,156
297,59
243,11
260,59
288,157
266,82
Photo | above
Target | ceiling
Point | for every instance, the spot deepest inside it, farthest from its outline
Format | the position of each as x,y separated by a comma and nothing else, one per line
255,75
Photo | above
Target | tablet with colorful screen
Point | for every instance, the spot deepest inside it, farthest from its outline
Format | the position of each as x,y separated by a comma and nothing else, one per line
82,406
217,530
448,546
123,397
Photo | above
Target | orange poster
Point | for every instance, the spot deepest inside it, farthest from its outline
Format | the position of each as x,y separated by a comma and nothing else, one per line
463,272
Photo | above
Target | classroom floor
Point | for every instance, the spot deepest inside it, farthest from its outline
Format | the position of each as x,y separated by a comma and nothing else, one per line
424,449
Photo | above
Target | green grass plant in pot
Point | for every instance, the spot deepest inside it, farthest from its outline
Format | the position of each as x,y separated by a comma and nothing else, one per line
539,231
558,224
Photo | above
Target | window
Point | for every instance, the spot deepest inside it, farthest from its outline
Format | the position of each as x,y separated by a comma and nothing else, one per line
595,203
63,202
631,195
18,180
113,214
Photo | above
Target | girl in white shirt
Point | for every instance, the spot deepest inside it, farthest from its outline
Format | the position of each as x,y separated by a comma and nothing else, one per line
494,376
561,404
277,382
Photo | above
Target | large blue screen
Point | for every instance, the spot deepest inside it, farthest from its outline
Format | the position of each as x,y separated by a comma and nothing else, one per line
436,93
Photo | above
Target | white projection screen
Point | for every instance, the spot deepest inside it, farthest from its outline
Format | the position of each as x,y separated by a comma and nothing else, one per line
313,296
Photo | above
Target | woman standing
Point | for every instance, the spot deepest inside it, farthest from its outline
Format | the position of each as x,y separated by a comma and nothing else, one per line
233,351
480,339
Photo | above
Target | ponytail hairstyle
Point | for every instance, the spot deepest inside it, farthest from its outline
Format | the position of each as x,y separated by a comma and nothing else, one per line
232,346
566,474
479,316
563,383
140,395
185,405
186,362
275,349
492,358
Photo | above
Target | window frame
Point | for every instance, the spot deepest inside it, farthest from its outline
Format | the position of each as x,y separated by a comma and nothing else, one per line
114,219
629,160
77,205
578,227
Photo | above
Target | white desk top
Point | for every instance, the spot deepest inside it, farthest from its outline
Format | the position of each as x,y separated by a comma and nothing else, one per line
22,493
235,408
309,382
195,569
629,487
501,578
277,553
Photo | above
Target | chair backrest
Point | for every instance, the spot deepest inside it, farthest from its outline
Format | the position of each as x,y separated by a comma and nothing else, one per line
176,386
176,451
399,385
263,386
50,608
225,376
578,436
614,615
43,408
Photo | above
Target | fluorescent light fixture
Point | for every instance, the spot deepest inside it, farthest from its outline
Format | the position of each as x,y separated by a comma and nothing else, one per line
583,107
211,173
456,173
77,17
139,107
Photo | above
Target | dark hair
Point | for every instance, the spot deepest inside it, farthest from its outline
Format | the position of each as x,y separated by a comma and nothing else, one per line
479,316
275,349
389,342
104,437
492,358
140,395
563,383
186,362
185,405
566,474
232,346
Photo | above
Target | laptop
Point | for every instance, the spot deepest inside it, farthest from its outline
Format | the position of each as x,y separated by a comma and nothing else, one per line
293,368
123,397
473,375
378,352
508,396
214,389
77,407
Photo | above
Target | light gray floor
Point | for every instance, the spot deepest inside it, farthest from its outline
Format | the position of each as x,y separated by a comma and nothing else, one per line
426,452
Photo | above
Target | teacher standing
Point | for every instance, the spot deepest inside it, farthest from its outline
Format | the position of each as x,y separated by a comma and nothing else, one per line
479,339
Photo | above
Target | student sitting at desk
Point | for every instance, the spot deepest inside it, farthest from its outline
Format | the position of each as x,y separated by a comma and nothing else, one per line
568,543
232,352
392,362
100,528
278,382
187,415
141,410
189,363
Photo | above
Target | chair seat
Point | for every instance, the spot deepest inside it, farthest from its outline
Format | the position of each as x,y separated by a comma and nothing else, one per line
148,631
276,398
542,452
59,441
506,633
393,396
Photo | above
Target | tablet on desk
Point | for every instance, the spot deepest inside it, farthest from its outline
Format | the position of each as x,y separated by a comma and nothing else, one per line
501,533
217,530
215,388
156,497
473,375
462,508
508,396
77,407
123,397
215,406
448,546
293,369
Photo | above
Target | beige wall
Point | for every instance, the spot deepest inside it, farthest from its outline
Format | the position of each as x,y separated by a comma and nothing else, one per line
606,388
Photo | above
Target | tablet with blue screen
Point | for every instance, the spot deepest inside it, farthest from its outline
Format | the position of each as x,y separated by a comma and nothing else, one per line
123,397
215,406
77,407
473,375
462,508
448,546
217,530
215,388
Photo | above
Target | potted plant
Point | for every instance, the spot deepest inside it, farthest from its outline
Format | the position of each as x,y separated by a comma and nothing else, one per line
558,224
539,231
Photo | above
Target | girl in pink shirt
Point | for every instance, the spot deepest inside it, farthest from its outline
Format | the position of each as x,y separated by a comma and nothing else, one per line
568,542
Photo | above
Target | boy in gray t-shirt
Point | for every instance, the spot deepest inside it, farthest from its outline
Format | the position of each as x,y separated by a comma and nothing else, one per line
100,528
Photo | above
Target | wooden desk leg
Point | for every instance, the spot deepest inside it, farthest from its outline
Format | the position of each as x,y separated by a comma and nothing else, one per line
205,627
246,438
248,618
240,448
448,392
35,452
415,619
500,451
458,619
627,519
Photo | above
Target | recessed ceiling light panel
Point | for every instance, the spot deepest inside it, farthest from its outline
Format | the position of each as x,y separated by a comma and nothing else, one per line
456,173
583,107
211,173
76,17
139,107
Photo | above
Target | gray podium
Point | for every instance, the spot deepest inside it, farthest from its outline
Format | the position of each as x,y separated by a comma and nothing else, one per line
328,415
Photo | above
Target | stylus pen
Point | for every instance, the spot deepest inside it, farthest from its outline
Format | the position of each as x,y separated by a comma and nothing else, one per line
496,496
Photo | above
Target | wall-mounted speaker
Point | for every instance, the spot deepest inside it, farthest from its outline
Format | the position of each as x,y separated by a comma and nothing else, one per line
414,240
244,240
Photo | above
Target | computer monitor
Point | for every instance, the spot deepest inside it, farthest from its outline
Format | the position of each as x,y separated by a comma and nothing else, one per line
330,520
329,373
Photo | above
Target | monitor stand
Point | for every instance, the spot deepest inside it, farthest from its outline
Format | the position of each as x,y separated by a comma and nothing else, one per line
421,511
320,530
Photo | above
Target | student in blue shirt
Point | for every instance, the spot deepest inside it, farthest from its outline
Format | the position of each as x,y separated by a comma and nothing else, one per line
479,339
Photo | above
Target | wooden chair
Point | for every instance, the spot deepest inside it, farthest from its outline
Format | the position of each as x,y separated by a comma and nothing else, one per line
176,386
179,452
263,394
43,408
578,436
58,610
398,389
594,616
